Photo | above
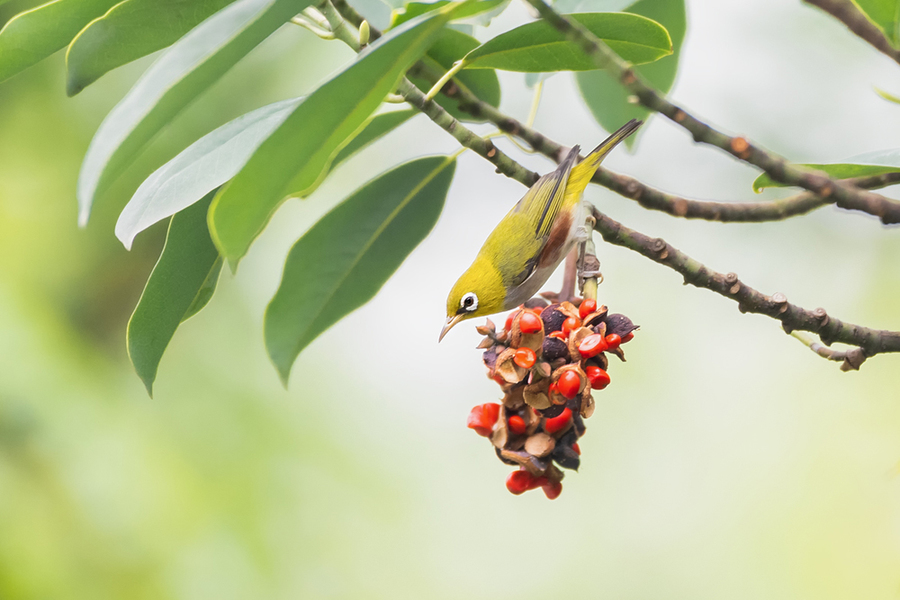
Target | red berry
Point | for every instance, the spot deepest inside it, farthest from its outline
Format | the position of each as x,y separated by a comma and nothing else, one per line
598,377
576,448
499,380
530,322
525,357
569,384
517,424
628,337
519,482
587,307
570,325
539,482
553,490
559,335
613,340
558,422
592,345
482,418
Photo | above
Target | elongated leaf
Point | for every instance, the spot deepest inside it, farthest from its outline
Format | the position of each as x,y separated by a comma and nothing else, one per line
888,96
345,258
885,14
294,158
451,46
34,35
607,99
480,13
128,31
539,47
217,157
182,73
835,170
181,284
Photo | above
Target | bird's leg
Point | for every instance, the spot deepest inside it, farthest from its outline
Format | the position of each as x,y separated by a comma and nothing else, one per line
588,266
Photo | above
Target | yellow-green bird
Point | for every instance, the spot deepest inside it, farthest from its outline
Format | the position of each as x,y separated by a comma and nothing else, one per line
531,240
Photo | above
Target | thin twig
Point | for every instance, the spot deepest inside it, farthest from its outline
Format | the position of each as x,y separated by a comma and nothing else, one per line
778,169
792,317
851,359
856,21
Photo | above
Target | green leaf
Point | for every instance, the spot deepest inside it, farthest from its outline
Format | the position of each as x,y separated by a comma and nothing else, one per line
181,284
295,157
885,14
181,73
34,35
217,157
887,96
539,47
835,170
479,13
130,30
607,99
451,46
345,258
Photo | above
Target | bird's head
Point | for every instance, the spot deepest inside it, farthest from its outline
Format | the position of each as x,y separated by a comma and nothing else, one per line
478,292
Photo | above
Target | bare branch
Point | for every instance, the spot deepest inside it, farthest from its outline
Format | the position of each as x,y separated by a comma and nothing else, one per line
856,21
778,169
792,317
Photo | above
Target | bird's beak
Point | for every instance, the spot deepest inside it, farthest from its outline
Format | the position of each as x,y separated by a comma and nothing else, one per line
451,321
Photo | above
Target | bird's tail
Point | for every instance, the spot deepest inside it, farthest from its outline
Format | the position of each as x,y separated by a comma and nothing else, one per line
583,172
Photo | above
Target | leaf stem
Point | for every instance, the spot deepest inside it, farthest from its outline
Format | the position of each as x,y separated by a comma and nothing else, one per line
436,88
535,104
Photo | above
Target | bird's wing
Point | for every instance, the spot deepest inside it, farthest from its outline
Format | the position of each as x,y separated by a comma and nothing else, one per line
542,202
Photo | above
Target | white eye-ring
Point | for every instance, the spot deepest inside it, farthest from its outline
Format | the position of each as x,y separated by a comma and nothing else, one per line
469,302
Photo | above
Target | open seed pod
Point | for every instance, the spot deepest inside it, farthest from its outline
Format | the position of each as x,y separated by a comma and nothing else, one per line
520,339
507,369
536,395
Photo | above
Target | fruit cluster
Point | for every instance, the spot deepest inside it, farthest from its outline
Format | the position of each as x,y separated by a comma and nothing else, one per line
547,359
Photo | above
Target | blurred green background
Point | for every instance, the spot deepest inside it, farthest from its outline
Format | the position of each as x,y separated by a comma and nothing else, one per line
725,460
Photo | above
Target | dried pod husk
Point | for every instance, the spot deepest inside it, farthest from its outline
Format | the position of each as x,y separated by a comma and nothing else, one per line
570,310
554,348
553,318
542,369
517,339
536,302
500,436
486,343
553,411
532,420
507,369
619,324
532,464
600,328
536,394
565,456
487,329
600,360
575,338
540,445
490,358
513,399
559,362
595,317
578,422
619,352
587,404
508,461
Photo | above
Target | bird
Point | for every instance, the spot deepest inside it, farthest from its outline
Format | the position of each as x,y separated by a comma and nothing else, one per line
528,244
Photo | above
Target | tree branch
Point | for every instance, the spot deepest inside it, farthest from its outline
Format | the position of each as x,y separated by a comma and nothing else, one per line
792,317
844,195
857,22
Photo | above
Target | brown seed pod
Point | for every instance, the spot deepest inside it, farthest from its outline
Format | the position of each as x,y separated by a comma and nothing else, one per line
532,420
540,445
507,369
595,317
575,338
570,310
517,339
558,398
513,399
535,395
587,404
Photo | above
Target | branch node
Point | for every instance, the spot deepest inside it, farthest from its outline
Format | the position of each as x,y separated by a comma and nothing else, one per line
660,247
853,359
740,147
679,115
628,77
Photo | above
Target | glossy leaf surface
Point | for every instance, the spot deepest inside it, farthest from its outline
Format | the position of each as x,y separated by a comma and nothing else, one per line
835,170
181,284
128,31
539,47
179,76
345,258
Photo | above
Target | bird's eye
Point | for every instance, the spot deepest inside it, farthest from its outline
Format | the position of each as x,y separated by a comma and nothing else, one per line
469,302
